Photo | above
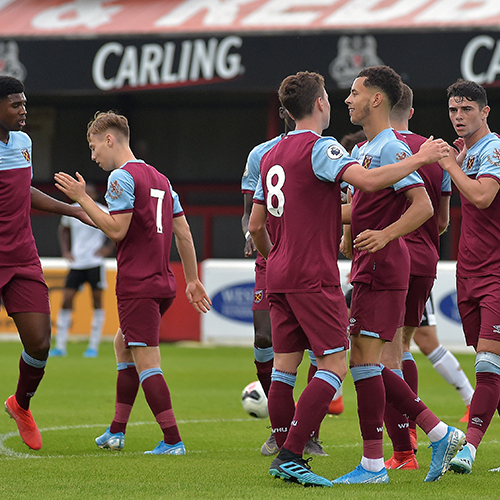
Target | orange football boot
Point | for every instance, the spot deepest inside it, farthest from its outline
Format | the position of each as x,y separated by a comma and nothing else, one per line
26,425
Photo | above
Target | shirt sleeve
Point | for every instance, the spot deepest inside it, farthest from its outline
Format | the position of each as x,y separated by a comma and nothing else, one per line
446,183
120,193
490,163
65,221
252,172
394,151
177,208
330,159
259,191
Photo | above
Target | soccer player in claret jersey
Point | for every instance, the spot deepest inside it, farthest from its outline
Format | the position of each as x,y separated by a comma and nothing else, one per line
143,212
22,287
423,245
263,342
380,274
299,192
476,174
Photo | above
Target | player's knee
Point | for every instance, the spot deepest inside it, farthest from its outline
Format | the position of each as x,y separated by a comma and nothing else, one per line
39,349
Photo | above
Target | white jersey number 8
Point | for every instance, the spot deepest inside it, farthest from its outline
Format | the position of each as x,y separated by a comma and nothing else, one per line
274,190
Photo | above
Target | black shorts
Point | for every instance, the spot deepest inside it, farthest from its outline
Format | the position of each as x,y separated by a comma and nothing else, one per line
95,277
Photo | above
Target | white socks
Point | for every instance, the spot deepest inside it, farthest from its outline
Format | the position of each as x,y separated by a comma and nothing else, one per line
372,464
63,323
449,368
96,328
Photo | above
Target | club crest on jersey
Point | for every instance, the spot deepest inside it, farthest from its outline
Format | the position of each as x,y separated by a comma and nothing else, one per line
258,296
496,158
401,156
334,152
367,160
470,162
26,155
115,190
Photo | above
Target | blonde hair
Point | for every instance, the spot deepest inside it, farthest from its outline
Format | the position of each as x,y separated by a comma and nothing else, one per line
103,121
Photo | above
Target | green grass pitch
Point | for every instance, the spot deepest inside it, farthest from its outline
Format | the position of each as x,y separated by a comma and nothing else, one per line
75,403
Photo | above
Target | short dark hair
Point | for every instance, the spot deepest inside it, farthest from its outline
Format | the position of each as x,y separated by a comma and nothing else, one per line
466,89
402,108
298,93
385,79
10,85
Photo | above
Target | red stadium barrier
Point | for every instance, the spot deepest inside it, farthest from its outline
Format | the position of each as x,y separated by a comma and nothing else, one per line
181,322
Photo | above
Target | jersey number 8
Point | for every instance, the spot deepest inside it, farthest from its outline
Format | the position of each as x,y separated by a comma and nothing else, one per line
275,195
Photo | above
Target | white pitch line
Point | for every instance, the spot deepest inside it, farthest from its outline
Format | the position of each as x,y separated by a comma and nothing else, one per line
7,453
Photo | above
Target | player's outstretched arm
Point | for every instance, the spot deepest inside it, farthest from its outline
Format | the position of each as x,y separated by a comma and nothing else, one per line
375,179
45,203
195,290
114,227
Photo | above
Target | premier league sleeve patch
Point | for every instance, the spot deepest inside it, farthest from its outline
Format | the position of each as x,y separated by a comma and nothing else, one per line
334,152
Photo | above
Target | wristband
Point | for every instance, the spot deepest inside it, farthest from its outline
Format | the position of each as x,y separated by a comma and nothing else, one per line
247,235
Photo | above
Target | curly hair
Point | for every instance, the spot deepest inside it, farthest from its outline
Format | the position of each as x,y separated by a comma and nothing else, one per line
465,89
385,79
10,85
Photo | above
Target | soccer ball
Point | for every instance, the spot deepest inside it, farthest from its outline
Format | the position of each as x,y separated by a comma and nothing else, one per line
254,400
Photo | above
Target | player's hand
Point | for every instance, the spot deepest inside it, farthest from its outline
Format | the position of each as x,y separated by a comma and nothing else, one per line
346,246
249,247
198,297
71,187
460,151
370,241
451,161
433,150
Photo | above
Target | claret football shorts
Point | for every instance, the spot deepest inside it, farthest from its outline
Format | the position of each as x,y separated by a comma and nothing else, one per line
140,320
23,289
316,321
376,313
